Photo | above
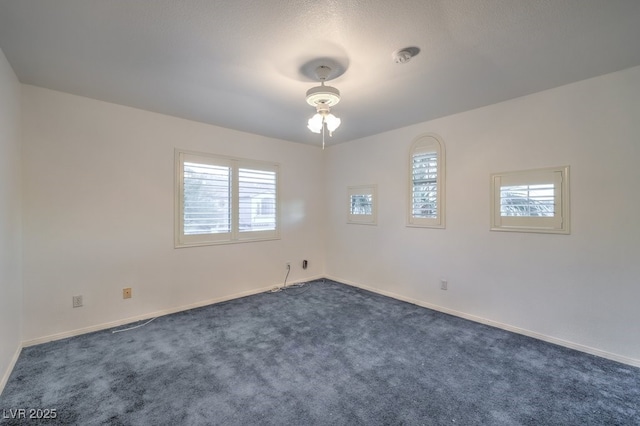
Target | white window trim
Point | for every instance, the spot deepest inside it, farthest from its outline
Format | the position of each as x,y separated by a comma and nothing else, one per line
428,142
235,236
558,224
363,219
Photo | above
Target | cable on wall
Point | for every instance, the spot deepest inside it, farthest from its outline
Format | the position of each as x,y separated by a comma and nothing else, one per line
134,327
285,286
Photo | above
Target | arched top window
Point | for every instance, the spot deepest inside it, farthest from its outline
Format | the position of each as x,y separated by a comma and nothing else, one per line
426,182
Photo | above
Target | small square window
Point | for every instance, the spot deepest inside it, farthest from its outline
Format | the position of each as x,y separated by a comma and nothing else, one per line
531,201
361,204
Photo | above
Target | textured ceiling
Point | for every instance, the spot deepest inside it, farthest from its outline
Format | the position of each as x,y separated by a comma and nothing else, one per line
240,64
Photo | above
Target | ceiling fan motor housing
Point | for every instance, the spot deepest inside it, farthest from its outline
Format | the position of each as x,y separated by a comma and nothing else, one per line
323,94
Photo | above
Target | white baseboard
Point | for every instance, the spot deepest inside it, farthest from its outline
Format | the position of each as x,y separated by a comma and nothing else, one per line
561,342
7,373
572,345
118,323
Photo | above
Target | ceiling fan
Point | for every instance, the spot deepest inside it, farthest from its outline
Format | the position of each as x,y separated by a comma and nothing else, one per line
323,98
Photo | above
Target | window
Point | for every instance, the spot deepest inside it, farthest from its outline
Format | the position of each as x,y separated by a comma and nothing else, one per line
362,204
224,200
426,182
531,201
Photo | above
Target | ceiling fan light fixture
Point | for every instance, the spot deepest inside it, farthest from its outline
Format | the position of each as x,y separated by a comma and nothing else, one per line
315,123
323,98
332,121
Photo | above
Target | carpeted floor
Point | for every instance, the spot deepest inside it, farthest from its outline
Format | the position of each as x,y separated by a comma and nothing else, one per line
323,354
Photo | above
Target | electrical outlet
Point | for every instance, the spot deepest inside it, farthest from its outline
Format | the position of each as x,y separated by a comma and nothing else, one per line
305,264
77,301
444,284
126,293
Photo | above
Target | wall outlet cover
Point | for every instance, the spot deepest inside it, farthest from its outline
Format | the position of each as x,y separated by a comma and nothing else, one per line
77,301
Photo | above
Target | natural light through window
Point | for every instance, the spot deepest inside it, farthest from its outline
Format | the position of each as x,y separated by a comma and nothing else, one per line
528,200
362,204
207,199
224,200
257,191
424,195
531,201
426,182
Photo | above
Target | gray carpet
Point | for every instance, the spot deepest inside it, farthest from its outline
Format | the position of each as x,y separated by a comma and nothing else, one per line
323,354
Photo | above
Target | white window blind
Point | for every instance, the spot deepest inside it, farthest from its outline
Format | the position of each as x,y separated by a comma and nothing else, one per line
531,201
257,198
528,200
426,182
362,204
224,200
424,194
207,198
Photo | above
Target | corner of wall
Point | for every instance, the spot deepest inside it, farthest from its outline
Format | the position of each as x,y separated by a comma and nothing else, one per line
10,219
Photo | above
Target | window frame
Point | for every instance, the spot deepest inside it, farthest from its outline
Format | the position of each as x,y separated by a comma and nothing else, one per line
363,219
559,223
426,143
235,235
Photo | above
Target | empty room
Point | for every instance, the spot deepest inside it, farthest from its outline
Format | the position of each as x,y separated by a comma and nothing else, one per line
307,213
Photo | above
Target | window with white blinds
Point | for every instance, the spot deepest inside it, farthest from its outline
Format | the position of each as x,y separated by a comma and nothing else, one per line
528,200
531,201
257,199
206,198
362,204
426,186
424,194
224,200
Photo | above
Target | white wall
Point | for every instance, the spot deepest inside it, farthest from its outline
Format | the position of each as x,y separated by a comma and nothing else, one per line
10,228
98,215
582,289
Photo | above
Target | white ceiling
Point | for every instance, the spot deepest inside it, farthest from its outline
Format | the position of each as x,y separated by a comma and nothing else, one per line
239,64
